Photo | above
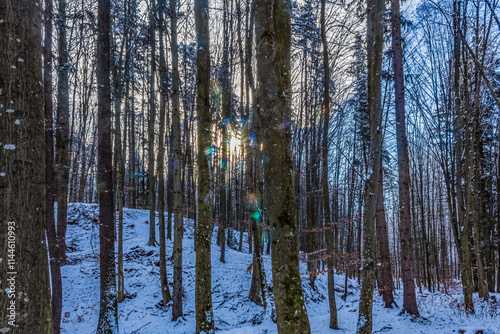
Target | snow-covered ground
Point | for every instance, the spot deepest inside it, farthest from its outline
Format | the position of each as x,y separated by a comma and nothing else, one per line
142,313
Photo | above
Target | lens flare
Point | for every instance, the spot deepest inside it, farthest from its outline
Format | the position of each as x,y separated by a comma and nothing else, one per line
227,124
209,151
256,215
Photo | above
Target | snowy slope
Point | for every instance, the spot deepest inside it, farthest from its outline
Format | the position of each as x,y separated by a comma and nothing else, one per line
234,313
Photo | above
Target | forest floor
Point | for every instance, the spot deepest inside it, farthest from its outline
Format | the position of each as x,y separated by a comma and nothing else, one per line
141,312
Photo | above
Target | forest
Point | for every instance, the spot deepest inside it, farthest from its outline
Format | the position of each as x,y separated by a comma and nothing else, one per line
249,166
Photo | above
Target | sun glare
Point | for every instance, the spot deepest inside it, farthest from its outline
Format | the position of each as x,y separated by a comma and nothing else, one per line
235,144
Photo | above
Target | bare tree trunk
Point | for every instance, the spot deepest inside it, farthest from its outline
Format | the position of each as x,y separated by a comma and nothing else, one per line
170,179
165,291
478,193
465,265
409,295
108,312
423,229
240,211
127,112
22,178
62,133
257,285
385,269
226,116
203,297
375,39
87,91
257,292
324,175
151,129
55,269
311,264
132,146
177,155
119,159
120,198
273,32
414,217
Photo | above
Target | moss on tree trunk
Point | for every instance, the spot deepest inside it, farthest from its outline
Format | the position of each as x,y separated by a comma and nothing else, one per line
273,33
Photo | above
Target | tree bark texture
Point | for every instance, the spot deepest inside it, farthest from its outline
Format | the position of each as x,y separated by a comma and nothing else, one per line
273,34
108,311
409,295
24,274
203,280
375,40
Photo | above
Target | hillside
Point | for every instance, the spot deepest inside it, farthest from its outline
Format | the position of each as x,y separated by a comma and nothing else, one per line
234,313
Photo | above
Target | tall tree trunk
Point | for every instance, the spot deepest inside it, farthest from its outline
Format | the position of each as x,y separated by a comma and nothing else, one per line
165,291
257,285
465,265
423,229
385,269
55,269
479,193
170,179
119,161
25,266
151,129
311,265
414,218
62,133
132,146
334,324
203,296
120,199
409,295
176,163
126,116
375,40
273,32
257,292
108,312
119,157
240,212
83,133
226,116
